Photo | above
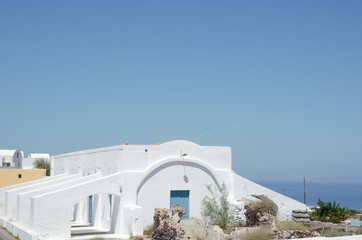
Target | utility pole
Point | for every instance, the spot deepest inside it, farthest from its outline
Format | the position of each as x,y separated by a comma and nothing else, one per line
305,192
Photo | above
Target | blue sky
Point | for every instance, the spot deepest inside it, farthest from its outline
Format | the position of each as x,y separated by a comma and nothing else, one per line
278,81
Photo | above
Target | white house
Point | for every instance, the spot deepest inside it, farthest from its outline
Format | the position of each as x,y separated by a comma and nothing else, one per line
11,158
16,159
114,190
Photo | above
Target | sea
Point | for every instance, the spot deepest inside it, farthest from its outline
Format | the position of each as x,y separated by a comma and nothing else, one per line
347,195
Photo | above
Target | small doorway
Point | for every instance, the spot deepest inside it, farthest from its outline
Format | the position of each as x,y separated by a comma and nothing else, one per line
181,197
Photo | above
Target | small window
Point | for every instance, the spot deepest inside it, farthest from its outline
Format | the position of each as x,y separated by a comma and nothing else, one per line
19,175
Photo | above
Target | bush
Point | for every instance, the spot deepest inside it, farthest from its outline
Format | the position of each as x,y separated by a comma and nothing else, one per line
217,208
257,234
42,164
330,212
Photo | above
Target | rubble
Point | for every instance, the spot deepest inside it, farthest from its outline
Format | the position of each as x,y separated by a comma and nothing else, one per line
165,223
294,234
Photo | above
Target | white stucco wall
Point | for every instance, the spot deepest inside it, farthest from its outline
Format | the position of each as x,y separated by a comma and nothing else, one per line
27,163
149,155
106,160
24,186
11,195
244,187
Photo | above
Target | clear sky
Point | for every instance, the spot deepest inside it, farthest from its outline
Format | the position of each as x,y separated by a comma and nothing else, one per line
278,81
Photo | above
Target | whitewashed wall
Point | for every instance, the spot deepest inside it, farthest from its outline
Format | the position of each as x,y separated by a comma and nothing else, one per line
106,160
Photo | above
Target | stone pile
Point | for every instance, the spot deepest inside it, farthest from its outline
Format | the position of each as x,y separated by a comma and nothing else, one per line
255,217
300,216
238,212
166,221
294,234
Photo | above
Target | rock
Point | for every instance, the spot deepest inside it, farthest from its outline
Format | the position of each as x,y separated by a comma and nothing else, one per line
237,233
214,233
293,234
194,229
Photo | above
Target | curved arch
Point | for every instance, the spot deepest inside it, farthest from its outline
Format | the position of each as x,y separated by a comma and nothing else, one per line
174,162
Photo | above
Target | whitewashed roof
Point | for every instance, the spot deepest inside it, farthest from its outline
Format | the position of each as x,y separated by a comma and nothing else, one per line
5,152
39,155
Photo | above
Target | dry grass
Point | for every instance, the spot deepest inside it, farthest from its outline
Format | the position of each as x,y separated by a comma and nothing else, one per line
264,205
136,238
291,225
333,233
148,231
257,234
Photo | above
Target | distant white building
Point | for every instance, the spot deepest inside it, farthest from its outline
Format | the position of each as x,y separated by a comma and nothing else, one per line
11,158
28,162
16,159
114,190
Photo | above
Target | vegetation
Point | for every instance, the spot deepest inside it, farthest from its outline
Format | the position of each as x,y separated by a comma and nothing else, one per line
217,208
291,225
265,205
136,238
330,212
148,231
257,234
333,233
43,164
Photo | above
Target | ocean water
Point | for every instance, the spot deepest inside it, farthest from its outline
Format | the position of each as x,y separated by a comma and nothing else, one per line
346,194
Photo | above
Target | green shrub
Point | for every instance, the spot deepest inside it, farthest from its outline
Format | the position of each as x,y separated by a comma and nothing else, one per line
217,208
257,234
330,212
43,164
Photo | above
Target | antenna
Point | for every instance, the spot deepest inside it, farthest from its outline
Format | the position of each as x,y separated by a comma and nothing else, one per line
305,193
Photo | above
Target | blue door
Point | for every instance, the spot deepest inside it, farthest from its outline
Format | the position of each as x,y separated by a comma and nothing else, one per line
181,198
